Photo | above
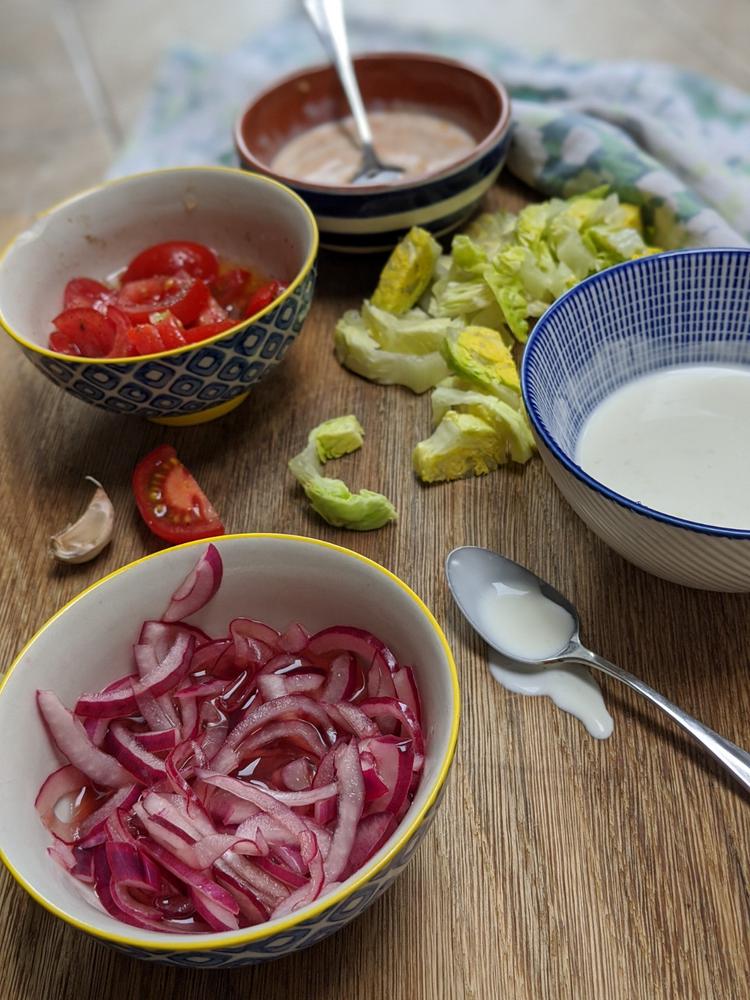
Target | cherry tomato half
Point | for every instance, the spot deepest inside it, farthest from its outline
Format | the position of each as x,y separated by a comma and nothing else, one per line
230,287
195,259
170,501
91,332
263,297
206,330
182,295
86,293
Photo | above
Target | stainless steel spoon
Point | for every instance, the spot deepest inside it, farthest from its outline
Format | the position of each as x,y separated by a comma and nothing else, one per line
471,569
328,18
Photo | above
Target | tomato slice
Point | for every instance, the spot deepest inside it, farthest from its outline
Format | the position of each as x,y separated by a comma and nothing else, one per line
122,346
171,331
263,297
230,287
171,257
63,343
171,503
206,330
182,295
145,339
86,293
213,313
92,333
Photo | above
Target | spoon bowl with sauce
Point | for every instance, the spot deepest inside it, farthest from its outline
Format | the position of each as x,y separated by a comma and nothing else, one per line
529,622
441,125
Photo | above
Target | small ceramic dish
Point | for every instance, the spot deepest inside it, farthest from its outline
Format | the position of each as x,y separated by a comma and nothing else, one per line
278,579
686,307
243,217
373,218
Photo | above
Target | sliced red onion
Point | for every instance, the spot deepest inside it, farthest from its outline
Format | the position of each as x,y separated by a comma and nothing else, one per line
342,680
62,783
254,911
342,638
294,639
372,833
394,762
254,718
196,849
71,739
130,752
297,774
160,675
161,739
352,719
376,707
351,798
407,691
112,703
198,587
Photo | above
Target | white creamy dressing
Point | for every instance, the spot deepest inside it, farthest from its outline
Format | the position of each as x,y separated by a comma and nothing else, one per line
526,625
418,142
678,441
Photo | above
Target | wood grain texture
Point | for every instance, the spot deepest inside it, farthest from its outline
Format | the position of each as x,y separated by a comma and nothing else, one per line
558,867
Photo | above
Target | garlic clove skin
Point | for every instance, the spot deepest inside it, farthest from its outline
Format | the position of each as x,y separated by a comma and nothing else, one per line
85,538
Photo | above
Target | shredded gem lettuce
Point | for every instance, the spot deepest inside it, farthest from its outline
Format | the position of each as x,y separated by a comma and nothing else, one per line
449,321
332,498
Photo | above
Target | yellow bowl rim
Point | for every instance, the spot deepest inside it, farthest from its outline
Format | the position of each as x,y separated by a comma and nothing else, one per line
299,278
250,935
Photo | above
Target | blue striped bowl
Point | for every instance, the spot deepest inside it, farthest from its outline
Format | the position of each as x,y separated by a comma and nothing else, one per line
373,218
247,218
687,307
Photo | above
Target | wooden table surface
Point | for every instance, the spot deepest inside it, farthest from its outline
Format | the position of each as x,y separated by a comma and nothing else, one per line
558,866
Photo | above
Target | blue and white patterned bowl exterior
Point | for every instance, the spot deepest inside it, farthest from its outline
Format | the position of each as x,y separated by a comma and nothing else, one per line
305,934
249,219
687,307
375,221
178,385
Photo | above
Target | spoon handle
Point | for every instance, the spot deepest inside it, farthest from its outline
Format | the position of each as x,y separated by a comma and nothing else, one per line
734,758
328,18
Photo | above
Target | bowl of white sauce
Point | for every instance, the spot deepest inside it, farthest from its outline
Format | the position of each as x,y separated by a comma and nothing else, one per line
637,385
444,123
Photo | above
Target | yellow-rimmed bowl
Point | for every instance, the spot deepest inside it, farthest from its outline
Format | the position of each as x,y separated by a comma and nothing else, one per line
275,578
246,218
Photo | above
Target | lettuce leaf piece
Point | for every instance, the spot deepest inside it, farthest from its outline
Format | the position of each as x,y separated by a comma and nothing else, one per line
461,445
338,436
510,423
459,298
358,350
491,230
479,355
331,498
414,332
407,272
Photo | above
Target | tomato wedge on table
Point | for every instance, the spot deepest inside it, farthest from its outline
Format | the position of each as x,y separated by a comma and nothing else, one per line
171,503
171,257
184,296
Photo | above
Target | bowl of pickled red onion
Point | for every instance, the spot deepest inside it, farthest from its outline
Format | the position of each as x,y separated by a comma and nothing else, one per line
224,752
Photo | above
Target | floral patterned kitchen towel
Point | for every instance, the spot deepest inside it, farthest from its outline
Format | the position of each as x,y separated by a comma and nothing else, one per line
675,142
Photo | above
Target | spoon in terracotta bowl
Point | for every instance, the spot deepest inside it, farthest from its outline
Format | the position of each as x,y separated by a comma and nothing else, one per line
328,18
529,622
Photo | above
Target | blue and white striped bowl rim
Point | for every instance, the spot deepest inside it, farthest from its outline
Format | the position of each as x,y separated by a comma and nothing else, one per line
624,282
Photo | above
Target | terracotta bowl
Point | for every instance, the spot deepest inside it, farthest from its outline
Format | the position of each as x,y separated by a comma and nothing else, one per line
373,217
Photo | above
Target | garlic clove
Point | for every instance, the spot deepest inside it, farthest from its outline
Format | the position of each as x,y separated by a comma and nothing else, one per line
85,538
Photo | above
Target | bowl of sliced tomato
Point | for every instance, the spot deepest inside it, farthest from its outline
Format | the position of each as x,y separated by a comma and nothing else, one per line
164,295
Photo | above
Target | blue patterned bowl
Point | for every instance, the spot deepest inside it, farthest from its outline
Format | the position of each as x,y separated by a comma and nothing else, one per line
278,579
687,307
245,217
359,218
